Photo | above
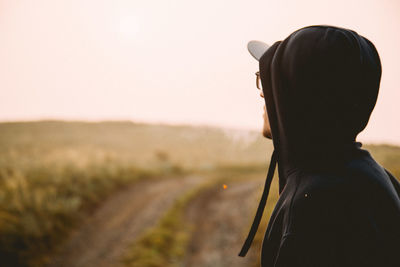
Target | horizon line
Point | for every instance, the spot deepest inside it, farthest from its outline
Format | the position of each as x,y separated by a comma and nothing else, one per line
176,124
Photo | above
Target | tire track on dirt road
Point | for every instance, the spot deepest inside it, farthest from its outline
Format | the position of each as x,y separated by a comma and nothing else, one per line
118,222
220,218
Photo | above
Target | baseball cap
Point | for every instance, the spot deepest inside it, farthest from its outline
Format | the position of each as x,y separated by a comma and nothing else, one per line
257,48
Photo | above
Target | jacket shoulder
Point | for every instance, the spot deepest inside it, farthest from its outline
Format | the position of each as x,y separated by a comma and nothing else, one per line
358,179
349,217
373,177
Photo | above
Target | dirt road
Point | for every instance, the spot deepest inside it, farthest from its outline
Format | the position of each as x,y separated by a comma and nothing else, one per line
103,238
221,218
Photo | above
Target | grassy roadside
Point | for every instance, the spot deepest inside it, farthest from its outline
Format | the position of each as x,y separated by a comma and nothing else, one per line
165,244
40,204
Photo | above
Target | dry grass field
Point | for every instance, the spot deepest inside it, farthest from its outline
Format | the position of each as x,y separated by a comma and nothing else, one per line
128,194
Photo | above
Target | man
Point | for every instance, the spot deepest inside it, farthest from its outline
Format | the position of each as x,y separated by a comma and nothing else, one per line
337,205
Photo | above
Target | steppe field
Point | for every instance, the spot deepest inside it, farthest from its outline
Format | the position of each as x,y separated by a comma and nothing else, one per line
131,194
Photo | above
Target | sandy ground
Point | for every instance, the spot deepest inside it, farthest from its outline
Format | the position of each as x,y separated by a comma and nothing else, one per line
103,238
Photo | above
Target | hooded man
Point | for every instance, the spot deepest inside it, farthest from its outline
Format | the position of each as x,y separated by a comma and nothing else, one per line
337,205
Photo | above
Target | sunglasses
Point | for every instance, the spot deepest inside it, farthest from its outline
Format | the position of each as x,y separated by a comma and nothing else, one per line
258,81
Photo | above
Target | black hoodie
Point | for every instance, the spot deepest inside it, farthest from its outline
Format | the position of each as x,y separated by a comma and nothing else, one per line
337,205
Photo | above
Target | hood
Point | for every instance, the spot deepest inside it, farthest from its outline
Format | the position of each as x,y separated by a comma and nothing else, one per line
320,86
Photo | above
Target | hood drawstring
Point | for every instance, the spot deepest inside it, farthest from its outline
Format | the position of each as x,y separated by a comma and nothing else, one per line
261,206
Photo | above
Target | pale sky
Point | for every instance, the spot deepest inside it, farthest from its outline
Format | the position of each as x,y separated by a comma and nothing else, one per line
175,61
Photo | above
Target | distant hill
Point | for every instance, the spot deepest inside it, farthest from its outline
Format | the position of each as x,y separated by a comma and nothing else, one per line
143,144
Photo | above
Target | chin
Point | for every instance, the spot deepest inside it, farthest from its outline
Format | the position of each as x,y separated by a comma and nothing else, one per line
267,134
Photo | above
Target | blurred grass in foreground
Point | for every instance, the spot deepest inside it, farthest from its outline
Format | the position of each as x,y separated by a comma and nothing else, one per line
38,206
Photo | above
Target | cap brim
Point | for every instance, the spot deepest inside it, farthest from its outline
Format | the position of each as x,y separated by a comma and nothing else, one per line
257,48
